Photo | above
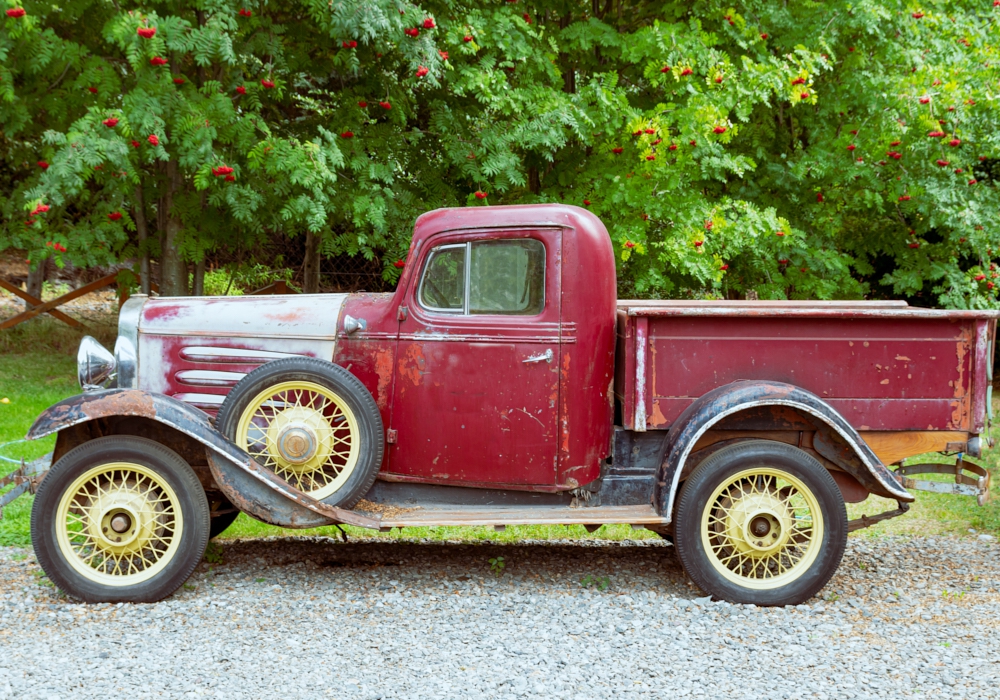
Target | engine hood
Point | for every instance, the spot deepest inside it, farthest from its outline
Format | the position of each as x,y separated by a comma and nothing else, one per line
197,348
283,316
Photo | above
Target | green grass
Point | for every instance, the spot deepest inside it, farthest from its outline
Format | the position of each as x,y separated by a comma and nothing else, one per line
245,527
30,383
38,368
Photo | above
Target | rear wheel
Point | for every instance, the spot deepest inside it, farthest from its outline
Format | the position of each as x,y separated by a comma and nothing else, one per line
120,518
761,522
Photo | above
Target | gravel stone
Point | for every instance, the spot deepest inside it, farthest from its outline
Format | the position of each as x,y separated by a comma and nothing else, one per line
315,617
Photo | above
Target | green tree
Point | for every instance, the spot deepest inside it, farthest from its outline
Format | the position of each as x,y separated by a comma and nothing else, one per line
788,151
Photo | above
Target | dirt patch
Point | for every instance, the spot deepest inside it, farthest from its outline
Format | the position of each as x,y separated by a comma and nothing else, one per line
386,511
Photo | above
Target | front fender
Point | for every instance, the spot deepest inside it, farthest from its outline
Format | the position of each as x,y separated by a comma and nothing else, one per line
738,396
249,486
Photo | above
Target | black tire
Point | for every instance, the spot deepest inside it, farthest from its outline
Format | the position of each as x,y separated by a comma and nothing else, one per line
345,386
168,467
223,514
704,568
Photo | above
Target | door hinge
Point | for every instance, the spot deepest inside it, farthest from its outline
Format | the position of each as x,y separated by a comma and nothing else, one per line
401,314
390,436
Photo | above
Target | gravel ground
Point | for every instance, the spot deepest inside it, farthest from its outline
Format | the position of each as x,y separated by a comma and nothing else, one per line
408,619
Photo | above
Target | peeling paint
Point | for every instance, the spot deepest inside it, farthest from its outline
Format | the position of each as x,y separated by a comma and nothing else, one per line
383,369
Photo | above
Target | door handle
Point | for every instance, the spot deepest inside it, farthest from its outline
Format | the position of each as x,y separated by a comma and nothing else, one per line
544,357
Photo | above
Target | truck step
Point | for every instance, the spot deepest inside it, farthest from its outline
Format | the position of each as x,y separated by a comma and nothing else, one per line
408,515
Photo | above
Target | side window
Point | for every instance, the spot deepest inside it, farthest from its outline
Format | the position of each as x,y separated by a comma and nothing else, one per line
507,277
485,277
443,285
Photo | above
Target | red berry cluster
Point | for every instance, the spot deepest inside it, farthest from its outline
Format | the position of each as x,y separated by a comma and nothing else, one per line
115,215
222,170
245,13
157,61
110,122
15,12
146,32
267,83
350,44
59,247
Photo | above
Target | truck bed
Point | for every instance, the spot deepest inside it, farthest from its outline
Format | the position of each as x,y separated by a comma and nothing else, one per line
885,366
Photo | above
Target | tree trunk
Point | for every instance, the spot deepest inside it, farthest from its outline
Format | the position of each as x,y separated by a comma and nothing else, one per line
139,216
36,276
198,284
569,72
534,181
310,268
173,270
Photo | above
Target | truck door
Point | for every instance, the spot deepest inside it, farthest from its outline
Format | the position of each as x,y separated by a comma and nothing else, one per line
476,392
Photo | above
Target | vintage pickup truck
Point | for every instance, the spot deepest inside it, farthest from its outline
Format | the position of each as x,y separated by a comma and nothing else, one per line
503,384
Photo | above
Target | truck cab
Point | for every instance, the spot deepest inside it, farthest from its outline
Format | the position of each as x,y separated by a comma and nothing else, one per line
493,362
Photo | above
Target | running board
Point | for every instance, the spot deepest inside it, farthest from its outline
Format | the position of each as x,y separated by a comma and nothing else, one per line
408,515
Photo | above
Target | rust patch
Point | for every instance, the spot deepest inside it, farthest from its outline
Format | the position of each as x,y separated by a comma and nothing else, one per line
383,368
658,418
961,407
383,509
564,412
412,364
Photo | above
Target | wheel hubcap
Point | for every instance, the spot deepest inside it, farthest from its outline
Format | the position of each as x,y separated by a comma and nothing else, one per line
762,528
119,524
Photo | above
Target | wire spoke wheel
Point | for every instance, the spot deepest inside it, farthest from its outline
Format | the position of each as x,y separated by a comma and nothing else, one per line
760,522
762,528
305,433
119,524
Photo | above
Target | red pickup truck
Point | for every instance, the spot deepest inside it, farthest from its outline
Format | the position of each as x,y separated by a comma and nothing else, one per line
503,384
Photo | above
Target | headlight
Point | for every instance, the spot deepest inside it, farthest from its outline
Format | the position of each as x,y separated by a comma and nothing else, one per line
95,366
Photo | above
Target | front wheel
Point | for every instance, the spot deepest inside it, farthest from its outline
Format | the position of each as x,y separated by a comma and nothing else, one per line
120,518
761,522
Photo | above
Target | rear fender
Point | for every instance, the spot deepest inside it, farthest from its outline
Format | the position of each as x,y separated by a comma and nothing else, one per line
850,452
249,486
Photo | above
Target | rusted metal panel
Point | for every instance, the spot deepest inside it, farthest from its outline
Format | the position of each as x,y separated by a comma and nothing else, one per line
248,485
716,405
369,354
977,485
467,408
406,515
180,337
880,373
977,419
625,368
587,367
641,369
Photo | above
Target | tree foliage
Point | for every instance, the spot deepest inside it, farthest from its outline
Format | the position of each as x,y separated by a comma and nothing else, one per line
804,150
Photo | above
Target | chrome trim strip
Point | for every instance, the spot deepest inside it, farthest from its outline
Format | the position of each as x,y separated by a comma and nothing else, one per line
208,377
196,353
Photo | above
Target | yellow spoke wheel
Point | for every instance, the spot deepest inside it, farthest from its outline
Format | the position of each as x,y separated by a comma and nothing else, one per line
119,524
762,528
305,433
760,522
